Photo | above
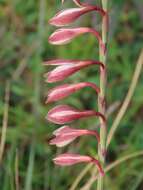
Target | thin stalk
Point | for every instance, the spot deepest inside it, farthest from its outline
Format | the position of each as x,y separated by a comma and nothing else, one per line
5,121
88,167
29,176
101,99
127,99
110,167
17,185
80,176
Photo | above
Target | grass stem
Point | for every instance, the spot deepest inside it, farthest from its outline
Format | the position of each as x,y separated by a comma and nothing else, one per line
101,99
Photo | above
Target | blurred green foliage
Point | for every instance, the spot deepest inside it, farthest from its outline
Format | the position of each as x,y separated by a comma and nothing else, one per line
24,31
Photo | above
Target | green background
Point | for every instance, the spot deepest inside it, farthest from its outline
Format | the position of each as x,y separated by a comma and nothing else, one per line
24,32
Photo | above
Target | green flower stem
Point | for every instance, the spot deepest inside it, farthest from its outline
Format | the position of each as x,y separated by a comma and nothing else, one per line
101,99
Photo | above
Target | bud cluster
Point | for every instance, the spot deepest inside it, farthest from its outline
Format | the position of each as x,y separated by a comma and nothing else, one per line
63,114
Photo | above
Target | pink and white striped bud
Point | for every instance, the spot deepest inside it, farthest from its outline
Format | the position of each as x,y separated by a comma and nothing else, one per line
70,15
65,90
67,68
68,159
65,135
66,35
65,114
61,62
61,72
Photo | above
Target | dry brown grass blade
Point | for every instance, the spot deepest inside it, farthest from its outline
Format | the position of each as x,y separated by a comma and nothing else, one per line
5,120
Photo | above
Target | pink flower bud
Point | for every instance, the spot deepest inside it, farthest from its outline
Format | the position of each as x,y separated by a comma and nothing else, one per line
60,62
66,35
65,114
65,90
61,72
70,15
66,135
71,159
67,68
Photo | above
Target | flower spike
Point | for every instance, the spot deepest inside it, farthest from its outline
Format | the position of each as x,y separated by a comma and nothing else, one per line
65,114
65,135
65,90
71,159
